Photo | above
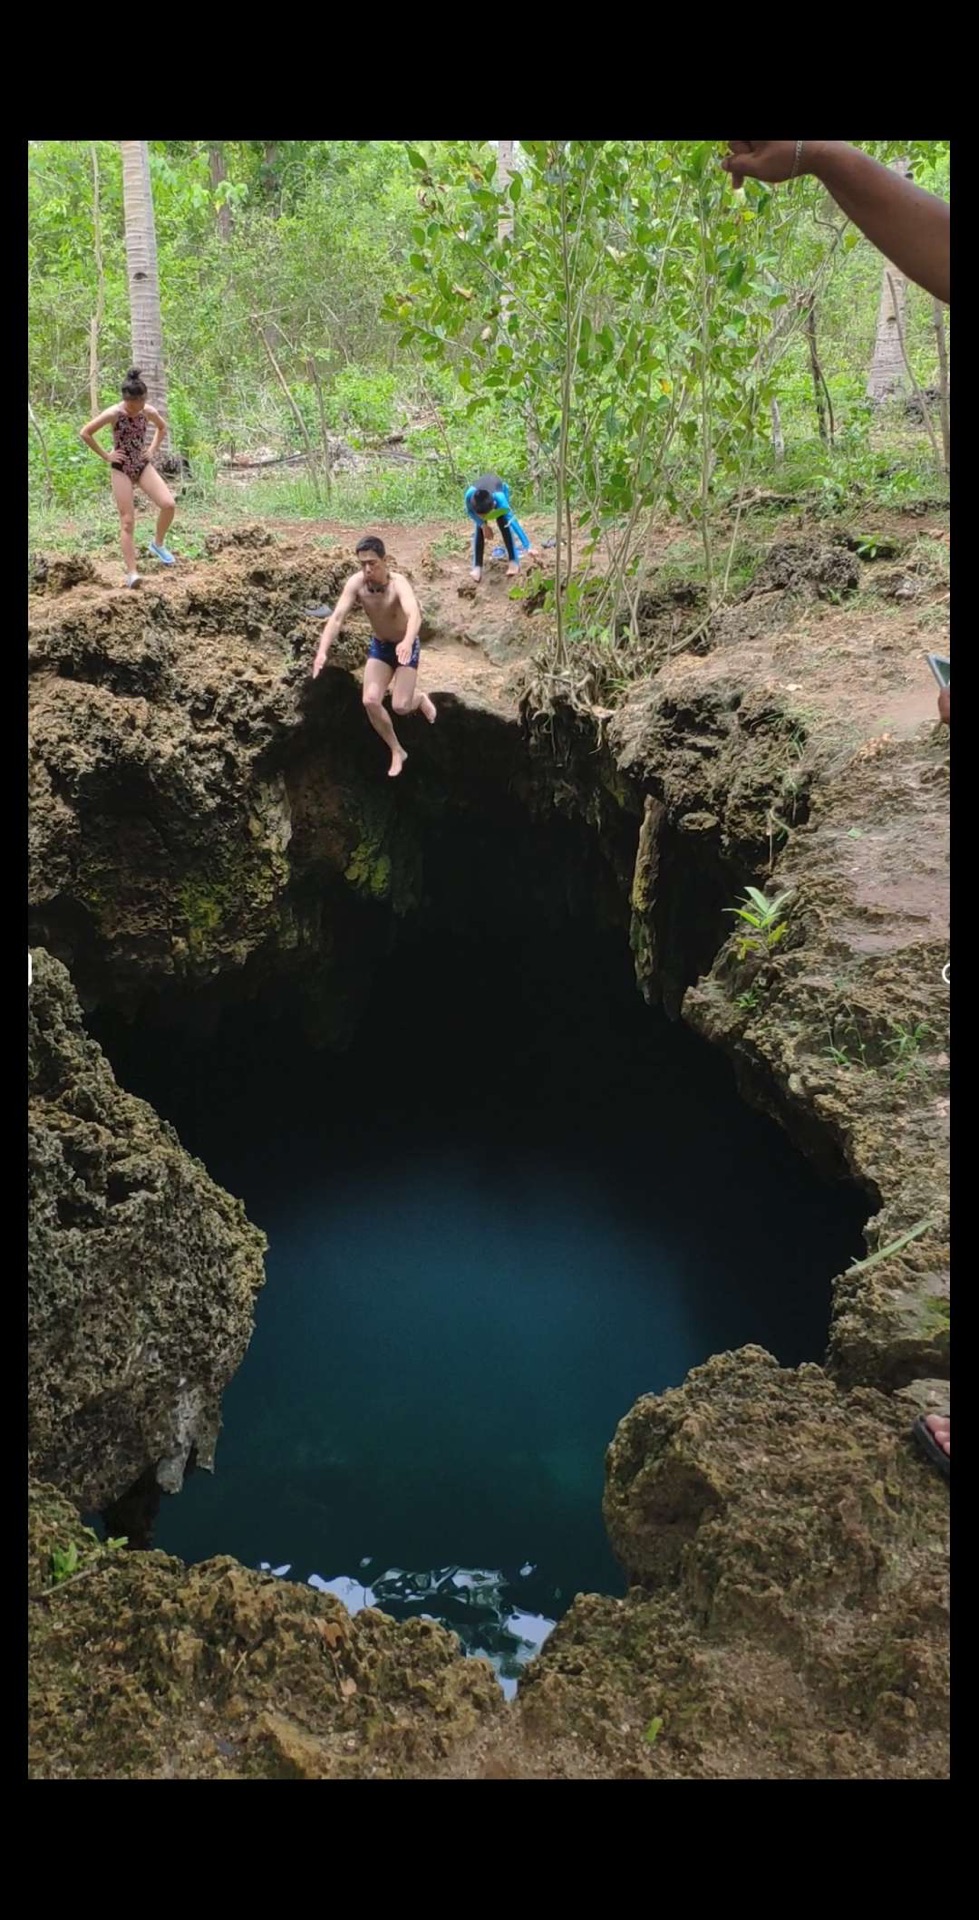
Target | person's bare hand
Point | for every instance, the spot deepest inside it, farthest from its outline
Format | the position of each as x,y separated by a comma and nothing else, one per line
944,705
769,160
318,664
403,651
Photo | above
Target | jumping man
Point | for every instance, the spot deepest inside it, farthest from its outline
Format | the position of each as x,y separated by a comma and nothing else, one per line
388,600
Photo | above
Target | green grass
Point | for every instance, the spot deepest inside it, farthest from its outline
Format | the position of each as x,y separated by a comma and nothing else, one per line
930,559
90,524
905,1047
855,479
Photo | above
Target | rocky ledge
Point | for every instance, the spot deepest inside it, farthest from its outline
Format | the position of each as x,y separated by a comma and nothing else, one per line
205,819
142,1272
788,1619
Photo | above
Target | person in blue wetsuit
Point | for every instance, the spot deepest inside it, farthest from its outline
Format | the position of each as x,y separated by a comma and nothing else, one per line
489,499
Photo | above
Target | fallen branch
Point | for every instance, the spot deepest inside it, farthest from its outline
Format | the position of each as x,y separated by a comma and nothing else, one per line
234,465
58,1586
895,1246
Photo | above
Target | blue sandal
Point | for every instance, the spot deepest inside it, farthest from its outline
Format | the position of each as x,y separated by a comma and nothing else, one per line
162,554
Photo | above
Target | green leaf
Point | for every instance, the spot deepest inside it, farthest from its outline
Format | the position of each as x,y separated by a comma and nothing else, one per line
653,1730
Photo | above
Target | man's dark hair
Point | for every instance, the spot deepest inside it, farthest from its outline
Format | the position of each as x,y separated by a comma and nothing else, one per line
482,501
370,544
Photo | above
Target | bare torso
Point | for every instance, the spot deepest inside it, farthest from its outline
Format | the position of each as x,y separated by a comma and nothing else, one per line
384,610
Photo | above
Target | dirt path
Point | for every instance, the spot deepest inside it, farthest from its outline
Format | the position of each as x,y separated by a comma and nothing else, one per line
856,672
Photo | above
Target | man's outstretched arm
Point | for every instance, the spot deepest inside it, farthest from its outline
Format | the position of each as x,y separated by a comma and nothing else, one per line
406,595
910,227
344,605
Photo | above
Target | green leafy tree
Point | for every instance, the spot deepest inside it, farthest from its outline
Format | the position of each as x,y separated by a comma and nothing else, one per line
621,297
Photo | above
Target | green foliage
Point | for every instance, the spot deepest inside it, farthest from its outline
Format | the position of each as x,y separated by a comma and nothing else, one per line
64,1562
628,315
846,1054
362,402
610,328
900,1053
68,1563
76,475
369,869
904,1047
765,918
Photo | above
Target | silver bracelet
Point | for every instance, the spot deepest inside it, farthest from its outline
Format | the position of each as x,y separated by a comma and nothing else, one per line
797,162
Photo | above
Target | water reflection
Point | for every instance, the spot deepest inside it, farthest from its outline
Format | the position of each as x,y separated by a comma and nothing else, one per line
475,1603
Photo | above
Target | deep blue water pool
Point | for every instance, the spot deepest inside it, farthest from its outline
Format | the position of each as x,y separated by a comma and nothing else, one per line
521,1200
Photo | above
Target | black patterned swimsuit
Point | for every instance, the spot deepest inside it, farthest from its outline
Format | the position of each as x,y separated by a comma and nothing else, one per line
129,443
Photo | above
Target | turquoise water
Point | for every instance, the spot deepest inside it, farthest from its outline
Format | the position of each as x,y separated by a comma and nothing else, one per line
519,1202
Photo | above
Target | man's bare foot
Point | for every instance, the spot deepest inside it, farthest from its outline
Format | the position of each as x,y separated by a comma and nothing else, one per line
398,759
428,708
477,574
512,571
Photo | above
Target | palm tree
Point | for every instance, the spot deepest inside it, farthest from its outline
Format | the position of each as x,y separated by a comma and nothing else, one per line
888,374
144,285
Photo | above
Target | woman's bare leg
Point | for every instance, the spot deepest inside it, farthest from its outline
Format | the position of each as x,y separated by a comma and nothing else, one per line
156,489
122,488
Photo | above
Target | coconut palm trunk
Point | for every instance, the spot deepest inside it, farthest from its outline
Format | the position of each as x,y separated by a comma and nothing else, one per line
144,285
888,374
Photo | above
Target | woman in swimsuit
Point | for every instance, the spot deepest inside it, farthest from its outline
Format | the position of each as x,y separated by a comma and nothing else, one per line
132,466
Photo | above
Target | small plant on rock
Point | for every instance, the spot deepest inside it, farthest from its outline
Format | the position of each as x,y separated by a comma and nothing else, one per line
64,1562
904,1049
840,1056
762,921
69,1563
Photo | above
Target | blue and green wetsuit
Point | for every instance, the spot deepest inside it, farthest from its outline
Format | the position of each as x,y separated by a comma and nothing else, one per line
500,511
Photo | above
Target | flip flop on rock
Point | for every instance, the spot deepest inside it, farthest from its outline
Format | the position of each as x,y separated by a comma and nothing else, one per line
317,613
929,1446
